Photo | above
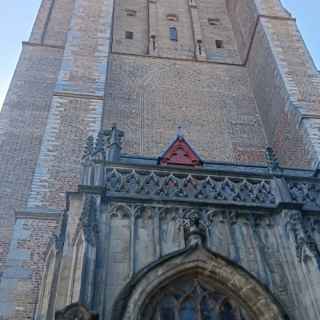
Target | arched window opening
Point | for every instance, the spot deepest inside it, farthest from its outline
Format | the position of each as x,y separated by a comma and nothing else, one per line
199,42
173,34
77,266
153,39
44,301
193,299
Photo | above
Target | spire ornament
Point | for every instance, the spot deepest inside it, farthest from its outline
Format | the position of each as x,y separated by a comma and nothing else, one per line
272,160
89,147
114,141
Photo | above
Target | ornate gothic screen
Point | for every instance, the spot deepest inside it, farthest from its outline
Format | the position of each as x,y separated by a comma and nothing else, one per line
193,299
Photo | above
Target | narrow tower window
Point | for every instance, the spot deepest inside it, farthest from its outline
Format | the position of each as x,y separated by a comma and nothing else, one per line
173,34
199,42
219,44
153,39
129,35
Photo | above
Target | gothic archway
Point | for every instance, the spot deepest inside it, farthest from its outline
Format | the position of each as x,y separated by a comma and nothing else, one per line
225,291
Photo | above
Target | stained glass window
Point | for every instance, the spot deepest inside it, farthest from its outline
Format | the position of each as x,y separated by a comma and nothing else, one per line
193,299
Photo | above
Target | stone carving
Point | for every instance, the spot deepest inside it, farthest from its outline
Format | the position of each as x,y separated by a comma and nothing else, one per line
188,216
189,186
76,311
89,147
110,140
272,160
194,228
100,142
88,221
114,140
57,240
305,192
302,232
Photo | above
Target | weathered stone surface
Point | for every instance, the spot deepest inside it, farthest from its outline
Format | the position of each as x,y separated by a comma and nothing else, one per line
213,104
74,312
236,79
137,230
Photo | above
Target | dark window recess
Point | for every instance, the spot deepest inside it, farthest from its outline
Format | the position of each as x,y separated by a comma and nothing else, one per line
129,35
199,42
131,13
173,34
153,39
219,44
214,21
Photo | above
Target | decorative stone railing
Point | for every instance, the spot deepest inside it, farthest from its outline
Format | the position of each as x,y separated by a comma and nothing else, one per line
133,177
245,186
305,191
183,186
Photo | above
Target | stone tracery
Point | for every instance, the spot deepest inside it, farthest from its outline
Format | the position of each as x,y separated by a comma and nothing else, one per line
193,299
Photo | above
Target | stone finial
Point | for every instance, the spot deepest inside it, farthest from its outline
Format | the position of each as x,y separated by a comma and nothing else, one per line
100,143
179,132
271,159
89,147
114,139
194,230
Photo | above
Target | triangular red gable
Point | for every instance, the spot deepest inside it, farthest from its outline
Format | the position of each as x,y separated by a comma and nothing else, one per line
180,153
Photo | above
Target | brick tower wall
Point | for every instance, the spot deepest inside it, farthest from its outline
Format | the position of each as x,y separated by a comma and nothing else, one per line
259,87
153,88
22,125
283,77
61,79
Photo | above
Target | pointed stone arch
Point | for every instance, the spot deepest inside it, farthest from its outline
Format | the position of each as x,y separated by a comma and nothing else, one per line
120,211
46,295
235,281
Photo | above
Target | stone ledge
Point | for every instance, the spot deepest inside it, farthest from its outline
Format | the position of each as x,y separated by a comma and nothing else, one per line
38,214
266,16
77,95
176,59
34,44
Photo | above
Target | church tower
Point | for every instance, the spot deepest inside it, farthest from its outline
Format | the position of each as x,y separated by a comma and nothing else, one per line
159,160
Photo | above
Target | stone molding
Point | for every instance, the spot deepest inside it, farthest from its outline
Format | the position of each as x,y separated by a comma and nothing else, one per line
34,44
77,95
38,214
200,260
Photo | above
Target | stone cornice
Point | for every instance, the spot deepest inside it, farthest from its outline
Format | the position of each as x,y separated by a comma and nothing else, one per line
77,95
38,214
35,44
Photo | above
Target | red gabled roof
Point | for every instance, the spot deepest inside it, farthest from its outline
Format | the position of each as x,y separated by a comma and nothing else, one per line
180,153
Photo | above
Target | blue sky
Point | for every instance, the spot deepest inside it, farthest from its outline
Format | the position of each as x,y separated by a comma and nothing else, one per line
17,17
